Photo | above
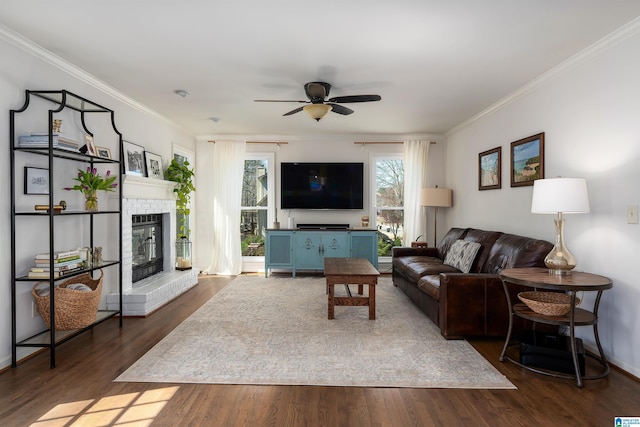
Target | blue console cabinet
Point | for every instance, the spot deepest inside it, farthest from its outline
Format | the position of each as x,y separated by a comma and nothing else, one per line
306,249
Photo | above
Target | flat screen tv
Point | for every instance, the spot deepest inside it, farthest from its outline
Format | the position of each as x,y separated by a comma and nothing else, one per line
321,185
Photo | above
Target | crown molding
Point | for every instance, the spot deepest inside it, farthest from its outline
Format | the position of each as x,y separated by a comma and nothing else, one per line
630,29
37,51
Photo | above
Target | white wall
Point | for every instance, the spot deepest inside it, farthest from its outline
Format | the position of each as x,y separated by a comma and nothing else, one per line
336,148
40,71
590,113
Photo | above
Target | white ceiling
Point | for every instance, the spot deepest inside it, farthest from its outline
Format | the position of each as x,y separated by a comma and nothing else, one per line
436,63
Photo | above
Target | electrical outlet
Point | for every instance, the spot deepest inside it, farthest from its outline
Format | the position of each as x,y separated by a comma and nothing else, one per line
632,214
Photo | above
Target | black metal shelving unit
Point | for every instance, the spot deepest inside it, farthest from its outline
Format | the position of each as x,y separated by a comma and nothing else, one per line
58,101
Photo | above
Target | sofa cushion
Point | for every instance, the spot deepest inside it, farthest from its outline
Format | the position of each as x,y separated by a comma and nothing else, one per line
462,254
513,251
449,239
430,285
414,267
486,239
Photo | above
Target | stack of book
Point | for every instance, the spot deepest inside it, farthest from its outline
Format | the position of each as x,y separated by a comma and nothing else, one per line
63,263
41,140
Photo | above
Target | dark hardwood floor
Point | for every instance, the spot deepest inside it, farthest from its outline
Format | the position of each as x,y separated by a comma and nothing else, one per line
80,391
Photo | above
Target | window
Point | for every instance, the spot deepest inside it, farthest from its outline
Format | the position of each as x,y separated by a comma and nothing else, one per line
389,200
257,188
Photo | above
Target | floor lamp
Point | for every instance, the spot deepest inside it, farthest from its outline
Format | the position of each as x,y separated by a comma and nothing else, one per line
436,198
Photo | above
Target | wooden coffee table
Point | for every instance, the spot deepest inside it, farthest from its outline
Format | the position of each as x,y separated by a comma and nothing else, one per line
351,271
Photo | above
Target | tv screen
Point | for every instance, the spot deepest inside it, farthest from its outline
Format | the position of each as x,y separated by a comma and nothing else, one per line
321,186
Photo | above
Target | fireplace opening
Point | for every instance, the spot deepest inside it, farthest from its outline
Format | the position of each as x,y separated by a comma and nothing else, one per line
146,245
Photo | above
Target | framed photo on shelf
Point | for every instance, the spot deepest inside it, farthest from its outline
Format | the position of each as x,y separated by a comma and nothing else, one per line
36,180
133,158
103,152
91,147
527,160
154,165
490,169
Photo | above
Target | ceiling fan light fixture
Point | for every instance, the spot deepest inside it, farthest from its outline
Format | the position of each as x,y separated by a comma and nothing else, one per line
317,111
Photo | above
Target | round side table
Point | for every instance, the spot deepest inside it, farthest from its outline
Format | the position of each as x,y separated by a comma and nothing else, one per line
541,278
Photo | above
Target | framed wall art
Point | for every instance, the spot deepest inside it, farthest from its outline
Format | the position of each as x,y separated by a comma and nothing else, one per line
36,180
154,165
103,152
490,169
133,158
527,160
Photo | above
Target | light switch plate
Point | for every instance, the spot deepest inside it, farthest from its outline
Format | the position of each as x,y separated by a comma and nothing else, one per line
632,214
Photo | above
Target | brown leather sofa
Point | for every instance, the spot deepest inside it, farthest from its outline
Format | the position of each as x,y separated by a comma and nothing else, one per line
466,304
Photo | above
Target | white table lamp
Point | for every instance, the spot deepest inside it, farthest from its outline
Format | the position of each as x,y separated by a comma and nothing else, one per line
560,196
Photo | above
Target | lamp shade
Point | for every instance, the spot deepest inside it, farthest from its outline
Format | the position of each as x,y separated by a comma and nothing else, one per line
565,195
317,111
438,197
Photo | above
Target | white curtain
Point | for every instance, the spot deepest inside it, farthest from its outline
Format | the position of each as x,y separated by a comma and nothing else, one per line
227,167
415,179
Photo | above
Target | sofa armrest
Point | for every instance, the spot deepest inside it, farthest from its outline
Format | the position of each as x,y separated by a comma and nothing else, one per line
400,251
472,304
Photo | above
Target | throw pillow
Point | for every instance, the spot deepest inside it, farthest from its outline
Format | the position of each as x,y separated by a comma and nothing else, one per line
462,254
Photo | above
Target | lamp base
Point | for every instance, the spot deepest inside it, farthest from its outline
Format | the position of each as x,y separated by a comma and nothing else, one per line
560,261
558,272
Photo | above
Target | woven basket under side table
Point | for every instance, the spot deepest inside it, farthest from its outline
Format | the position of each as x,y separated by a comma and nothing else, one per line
547,303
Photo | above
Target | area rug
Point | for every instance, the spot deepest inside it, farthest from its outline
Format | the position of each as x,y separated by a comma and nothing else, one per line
275,331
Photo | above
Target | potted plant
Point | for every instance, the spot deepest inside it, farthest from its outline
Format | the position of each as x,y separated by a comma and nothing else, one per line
179,172
90,181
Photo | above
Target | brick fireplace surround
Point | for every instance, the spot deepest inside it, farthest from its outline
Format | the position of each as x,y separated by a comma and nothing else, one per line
150,196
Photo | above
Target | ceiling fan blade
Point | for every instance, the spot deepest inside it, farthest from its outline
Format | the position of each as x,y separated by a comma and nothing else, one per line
340,109
297,110
279,100
355,98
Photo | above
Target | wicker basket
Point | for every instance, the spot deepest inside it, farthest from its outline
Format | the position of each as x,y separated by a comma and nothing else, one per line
547,303
74,309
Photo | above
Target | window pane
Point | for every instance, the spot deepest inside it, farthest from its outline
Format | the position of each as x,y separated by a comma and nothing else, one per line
390,229
389,202
253,225
254,183
389,183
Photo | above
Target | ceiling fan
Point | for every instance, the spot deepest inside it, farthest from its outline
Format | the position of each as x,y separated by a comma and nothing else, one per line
318,106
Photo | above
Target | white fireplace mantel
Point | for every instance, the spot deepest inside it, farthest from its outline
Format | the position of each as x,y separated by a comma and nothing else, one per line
139,187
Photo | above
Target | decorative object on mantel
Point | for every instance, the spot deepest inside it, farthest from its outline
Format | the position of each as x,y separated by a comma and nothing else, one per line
180,173
558,196
436,198
133,158
154,165
90,182
183,253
